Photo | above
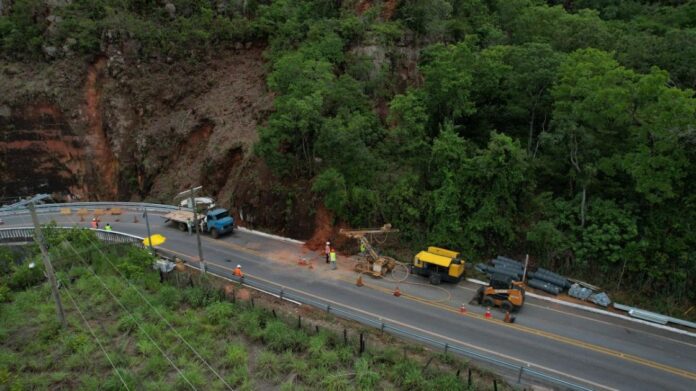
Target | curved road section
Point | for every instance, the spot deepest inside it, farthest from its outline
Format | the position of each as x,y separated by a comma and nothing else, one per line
600,352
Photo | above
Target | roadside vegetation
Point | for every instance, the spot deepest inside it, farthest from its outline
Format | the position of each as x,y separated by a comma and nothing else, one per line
250,347
562,129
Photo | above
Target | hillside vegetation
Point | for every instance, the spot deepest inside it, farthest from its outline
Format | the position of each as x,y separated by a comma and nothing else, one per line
502,126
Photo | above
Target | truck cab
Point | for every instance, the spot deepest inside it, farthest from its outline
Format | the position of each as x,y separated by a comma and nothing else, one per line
218,222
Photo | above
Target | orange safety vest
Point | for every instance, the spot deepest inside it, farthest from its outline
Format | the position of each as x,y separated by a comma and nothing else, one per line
238,272
94,224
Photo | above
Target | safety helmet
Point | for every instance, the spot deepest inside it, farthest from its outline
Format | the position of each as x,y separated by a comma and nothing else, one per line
328,242
239,266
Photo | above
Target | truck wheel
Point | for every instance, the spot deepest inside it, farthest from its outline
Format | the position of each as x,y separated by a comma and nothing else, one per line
214,233
487,301
507,306
183,227
435,278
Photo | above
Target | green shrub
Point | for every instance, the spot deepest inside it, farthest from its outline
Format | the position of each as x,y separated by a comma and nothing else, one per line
279,337
365,377
127,324
336,382
77,342
194,374
408,375
156,365
196,297
220,312
267,366
5,293
236,356
170,297
24,276
239,376
250,323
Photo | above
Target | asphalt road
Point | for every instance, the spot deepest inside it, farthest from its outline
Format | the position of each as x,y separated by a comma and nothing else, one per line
591,349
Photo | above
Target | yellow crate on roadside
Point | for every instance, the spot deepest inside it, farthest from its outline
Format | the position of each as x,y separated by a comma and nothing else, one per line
99,212
116,211
82,212
65,211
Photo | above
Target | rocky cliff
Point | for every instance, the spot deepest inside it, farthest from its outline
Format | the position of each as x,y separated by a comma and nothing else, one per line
112,127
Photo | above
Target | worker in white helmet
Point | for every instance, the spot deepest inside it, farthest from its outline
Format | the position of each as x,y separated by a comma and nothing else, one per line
238,271
327,251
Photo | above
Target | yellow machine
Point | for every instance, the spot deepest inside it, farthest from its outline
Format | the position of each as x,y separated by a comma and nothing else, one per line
439,264
372,263
501,292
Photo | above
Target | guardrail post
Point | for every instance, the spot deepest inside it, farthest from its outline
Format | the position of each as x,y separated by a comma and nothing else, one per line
519,376
328,308
446,347
281,293
468,382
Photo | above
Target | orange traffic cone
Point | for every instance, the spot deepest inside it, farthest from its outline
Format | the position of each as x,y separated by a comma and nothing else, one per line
462,309
397,291
359,281
488,313
507,317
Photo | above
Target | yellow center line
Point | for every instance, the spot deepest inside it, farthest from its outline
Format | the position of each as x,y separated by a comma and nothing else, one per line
395,322
559,338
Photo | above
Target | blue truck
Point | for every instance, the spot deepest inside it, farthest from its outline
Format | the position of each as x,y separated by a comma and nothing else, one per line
215,221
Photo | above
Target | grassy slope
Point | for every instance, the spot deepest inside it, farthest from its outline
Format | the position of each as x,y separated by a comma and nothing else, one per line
249,347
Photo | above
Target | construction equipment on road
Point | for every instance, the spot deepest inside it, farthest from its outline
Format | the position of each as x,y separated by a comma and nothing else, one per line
439,264
216,221
502,291
371,262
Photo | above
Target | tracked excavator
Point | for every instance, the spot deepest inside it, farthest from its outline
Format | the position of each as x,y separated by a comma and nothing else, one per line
371,262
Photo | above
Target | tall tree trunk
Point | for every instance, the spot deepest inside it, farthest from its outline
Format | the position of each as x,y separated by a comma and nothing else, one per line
583,205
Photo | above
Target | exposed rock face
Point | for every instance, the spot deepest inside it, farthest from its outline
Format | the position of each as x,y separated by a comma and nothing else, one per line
40,151
114,128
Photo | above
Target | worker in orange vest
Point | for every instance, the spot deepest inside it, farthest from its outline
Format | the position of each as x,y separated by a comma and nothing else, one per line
95,223
238,271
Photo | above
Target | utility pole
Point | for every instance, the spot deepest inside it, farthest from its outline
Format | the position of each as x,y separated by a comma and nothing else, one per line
524,273
198,230
47,264
149,236
196,223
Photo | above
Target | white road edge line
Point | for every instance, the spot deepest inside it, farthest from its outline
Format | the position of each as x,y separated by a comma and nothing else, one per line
598,311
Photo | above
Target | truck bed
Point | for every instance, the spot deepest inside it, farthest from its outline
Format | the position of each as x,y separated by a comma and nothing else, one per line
179,216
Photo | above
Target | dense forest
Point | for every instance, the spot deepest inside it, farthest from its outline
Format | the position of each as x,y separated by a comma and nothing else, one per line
562,129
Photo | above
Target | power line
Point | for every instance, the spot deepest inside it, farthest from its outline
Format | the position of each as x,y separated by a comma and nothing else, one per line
162,317
91,331
134,318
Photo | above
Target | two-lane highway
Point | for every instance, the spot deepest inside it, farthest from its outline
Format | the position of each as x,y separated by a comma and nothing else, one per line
599,351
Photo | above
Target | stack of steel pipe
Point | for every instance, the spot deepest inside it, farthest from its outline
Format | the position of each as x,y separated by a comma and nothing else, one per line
551,277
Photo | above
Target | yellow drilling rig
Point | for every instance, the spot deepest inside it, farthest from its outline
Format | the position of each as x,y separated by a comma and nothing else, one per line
371,262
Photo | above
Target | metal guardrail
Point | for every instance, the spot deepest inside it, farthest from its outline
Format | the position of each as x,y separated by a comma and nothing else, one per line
55,208
653,316
285,293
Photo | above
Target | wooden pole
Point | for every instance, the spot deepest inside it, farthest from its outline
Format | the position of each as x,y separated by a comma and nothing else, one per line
47,264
